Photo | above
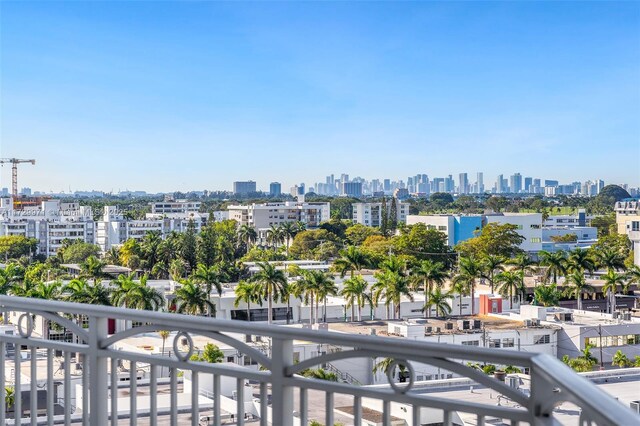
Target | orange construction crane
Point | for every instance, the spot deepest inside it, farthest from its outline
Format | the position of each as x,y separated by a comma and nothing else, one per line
14,172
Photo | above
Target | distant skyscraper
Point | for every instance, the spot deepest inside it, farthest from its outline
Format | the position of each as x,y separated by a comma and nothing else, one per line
499,185
480,183
275,189
463,183
352,189
244,187
550,182
515,183
387,185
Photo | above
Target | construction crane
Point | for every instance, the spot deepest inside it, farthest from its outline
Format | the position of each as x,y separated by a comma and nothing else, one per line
14,172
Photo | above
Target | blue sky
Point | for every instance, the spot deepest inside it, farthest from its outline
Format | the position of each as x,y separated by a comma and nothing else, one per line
165,96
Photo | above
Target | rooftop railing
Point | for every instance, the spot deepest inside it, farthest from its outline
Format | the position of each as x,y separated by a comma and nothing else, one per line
279,395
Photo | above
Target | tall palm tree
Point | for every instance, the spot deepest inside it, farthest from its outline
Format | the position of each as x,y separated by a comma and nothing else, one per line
610,259
354,291
391,286
46,291
613,282
580,260
438,300
211,277
577,286
247,292
193,300
9,276
509,283
136,294
491,264
351,260
429,273
547,295
92,268
112,256
324,287
274,236
150,247
523,264
633,275
247,235
288,230
469,269
461,288
555,263
272,282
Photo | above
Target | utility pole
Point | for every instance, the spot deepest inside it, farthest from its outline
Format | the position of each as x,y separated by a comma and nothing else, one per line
600,334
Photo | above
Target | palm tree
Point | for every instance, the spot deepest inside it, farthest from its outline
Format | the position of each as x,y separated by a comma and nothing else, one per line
523,264
351,260
613,281
490,265
112,256
509,283
46,291
92,268
247,235
272,283
136,294
288,231
247,292
633,275
80,291
620,359
577,285
324,287
547,295
354,291
209,276
9,276
177,269
556,264
462,289
469,269
580,260
391,285
429,273
193,300
274,236
438,300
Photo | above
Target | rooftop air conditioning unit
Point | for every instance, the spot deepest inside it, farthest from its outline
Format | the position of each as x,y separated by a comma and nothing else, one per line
429,329
535,322
527,323
477,324
627,316
635,406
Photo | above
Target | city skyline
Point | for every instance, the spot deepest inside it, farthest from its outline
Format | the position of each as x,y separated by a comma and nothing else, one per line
203,94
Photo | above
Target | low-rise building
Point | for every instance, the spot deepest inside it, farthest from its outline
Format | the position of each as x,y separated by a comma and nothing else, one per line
528,225
458,228
628,222
263,216
371,214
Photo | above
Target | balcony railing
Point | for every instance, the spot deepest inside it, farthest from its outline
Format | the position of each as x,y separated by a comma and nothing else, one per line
102,397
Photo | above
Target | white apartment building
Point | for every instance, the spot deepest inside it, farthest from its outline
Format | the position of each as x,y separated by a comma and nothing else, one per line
180,207
580,219
529,225
370,214
628,222
263,216
50,223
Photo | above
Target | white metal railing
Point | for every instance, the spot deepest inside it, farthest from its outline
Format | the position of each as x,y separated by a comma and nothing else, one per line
275,385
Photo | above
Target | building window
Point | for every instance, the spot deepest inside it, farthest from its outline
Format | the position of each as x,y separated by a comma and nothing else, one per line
508,342
536,240
494,343
541,339
471,343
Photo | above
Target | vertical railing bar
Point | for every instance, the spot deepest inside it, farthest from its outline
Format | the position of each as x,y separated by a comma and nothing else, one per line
480,420
195,409
85,389
133,393
3,408
514,422
33,398
329,408
50,391
240,401
357,410
386,415
114,391
263,405
173,372
17,391
304,406
153,395
216,400
67,388
416,415
446,421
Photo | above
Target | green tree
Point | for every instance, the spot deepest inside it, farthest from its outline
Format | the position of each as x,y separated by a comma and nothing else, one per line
469,270
211,277
136,294
192,299
428,273
509,283
273,282
580,260
423,243
490,265
354,291
211,354
247,235
247,292
555,263
613,282
322,285
188,248
391,286
577,286
494,239
620,360
79,251
320,374
438,300
523,264
80,291
547,295
351,260
357,233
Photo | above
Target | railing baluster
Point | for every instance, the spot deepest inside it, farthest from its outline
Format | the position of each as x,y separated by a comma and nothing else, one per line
386,412
216,400
357,410
173,373
514,423
195,409
240,401
67,388
17,391
153,395
85,389
446,421
263,404
329,408
3,407
415,417
304,406
480,420
50,391
33,398
114,391
133,393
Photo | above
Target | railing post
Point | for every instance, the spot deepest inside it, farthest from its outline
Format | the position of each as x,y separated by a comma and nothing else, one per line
98,375
281,395
542,398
